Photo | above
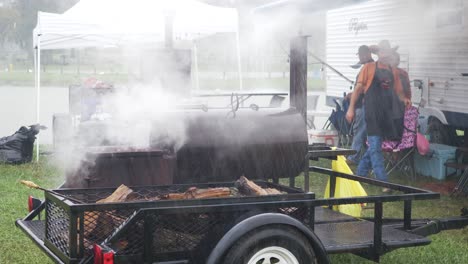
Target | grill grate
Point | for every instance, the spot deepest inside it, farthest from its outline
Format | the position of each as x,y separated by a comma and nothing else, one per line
142,193
150,192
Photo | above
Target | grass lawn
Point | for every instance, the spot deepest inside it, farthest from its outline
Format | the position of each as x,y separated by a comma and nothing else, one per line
15,247
53,77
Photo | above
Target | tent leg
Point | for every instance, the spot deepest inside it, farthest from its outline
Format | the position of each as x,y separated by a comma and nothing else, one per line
195,66
38,92
239,61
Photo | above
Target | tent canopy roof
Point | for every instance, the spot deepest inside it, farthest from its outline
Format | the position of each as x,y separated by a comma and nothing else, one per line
106,23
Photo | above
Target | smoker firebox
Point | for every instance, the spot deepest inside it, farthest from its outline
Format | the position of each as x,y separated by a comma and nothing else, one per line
112,166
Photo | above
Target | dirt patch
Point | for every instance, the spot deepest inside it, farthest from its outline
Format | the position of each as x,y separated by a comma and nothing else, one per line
444,188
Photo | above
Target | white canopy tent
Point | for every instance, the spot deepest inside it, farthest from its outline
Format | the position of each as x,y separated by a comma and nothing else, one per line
102,23
116,23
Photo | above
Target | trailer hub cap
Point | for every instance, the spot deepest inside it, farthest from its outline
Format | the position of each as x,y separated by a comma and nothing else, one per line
273,255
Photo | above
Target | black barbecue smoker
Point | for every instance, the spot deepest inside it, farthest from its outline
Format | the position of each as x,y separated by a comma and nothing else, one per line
220,145
291,227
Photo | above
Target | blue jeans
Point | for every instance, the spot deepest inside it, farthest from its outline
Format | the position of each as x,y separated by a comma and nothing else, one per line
359,133
373,159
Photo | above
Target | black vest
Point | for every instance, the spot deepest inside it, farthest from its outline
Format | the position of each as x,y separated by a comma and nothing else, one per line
384,109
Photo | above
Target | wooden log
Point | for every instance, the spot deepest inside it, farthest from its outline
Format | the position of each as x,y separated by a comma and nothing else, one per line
212,193
272,191
194,193
121,194
249,187
103,222
173,196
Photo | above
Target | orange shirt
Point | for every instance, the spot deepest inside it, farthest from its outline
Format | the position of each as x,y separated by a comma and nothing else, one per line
366,76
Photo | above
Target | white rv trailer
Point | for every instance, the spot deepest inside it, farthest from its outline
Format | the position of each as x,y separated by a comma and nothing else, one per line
432,37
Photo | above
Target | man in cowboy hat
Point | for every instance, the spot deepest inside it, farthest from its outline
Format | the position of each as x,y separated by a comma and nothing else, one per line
384,102
359,124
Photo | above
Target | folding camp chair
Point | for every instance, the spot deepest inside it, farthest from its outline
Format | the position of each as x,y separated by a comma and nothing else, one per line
311,107
338,120
399,154
462,185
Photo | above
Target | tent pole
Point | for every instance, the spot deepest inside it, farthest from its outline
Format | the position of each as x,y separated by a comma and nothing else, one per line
239,62
195,65
38,91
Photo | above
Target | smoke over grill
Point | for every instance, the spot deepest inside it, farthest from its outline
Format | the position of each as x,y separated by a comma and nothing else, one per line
196,146
259,145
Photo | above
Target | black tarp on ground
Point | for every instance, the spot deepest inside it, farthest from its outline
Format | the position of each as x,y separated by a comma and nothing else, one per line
18,148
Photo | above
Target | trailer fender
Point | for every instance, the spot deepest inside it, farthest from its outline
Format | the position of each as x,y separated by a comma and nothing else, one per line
251,223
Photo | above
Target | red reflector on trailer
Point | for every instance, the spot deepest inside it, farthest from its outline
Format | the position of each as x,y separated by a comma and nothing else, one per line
109,257
30,203
97,254
101,257
33,203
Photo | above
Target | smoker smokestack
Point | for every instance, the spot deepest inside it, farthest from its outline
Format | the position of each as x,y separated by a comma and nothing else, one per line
298,74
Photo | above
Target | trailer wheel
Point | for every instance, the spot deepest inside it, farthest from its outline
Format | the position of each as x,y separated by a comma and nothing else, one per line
271,244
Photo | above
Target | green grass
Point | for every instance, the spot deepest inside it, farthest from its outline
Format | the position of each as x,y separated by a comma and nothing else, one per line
268,84
15,247
53,77
446,247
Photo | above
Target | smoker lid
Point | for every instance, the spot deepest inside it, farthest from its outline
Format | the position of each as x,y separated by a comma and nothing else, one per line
247,128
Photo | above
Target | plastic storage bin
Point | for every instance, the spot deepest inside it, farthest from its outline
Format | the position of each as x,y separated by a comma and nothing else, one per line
432,164
322,136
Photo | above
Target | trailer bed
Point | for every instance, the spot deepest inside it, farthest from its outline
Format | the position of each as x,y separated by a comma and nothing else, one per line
338,232
357,236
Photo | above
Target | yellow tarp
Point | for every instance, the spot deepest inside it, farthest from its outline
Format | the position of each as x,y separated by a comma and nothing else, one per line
345,188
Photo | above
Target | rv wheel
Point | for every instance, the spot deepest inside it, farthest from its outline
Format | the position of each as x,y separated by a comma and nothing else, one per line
272,244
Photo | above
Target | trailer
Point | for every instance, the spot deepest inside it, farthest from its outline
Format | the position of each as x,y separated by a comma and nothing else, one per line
293,227
432,37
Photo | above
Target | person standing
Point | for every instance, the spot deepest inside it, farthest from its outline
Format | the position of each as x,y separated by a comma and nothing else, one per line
404,77
359,124
384,103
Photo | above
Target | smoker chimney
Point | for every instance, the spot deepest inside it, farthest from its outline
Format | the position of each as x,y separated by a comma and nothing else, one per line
298,75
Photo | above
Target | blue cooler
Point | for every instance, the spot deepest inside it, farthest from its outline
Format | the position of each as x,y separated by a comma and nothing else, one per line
432,164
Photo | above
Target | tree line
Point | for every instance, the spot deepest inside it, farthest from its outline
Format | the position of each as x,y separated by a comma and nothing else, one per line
19,17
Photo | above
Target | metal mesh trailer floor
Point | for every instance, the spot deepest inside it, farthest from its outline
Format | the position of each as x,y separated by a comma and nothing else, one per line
338,232
357,236
37,227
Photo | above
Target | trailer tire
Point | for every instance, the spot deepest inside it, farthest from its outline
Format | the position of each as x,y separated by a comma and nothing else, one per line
278,242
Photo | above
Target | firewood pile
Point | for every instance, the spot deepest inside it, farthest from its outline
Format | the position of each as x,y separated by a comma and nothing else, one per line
104,221
243,187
